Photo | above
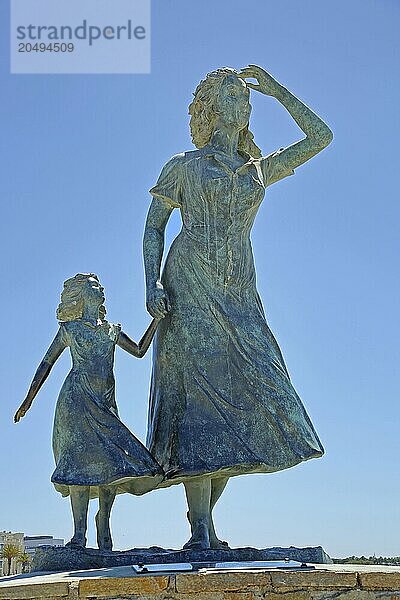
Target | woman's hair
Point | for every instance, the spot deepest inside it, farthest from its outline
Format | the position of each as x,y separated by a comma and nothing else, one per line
203,113
73,300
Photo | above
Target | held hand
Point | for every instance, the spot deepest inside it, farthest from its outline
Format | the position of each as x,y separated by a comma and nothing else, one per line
21,412
266,83
157,301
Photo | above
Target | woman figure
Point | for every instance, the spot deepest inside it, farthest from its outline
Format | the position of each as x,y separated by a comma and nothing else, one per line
221,401
96,455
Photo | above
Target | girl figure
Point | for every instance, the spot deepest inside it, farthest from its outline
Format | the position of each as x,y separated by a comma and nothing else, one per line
95,453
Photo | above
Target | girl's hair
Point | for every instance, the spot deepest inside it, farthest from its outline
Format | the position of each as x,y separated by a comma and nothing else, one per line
73,300
204,116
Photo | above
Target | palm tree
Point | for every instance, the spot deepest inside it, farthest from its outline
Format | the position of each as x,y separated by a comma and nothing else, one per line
9,552
24,559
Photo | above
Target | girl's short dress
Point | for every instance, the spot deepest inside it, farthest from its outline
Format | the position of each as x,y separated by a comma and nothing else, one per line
92,447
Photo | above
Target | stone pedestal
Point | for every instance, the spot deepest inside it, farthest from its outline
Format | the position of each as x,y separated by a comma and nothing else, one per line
72,559
328,582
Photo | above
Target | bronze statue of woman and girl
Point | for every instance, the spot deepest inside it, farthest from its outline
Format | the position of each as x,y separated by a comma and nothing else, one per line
221,400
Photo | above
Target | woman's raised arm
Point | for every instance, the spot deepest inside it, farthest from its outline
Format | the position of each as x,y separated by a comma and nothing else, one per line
318,134
55,349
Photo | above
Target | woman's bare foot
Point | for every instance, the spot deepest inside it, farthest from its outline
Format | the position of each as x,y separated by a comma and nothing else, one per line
215,542
200,539
77,541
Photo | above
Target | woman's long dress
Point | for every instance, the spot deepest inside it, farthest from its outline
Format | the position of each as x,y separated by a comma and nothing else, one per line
221,400
92,447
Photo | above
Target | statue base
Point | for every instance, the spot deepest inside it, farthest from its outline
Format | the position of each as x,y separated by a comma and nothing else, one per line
76,559
323,582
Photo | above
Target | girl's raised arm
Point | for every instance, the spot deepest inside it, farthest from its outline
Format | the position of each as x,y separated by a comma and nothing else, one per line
56,348
138,350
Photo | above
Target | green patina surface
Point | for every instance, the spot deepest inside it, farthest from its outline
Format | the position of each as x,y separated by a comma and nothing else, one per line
96,455
222,403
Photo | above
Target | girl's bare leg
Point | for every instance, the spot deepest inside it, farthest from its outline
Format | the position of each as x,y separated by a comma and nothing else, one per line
106,501
79,503
198,495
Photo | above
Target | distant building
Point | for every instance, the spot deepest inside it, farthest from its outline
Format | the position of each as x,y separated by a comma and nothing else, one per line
32,542
16,539
26,544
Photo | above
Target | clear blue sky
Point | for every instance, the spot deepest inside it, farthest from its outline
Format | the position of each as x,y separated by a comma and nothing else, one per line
77,156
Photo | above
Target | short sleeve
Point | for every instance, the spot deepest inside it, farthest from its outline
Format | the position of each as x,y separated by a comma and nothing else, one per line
113,332
57,346
274,167
168,186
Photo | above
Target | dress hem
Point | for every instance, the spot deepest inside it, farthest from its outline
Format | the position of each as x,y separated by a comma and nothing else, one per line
125,485
232,471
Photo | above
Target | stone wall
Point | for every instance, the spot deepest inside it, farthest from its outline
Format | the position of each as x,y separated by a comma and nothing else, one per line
356,583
